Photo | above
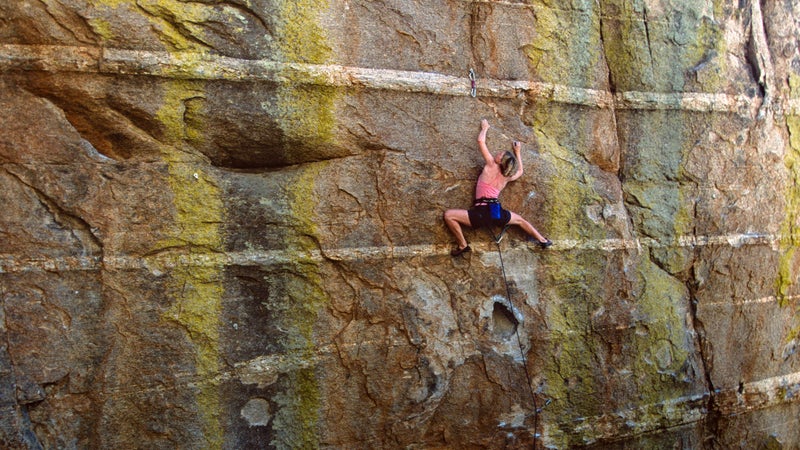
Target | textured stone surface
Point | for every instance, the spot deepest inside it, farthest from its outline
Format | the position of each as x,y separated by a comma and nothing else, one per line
223,224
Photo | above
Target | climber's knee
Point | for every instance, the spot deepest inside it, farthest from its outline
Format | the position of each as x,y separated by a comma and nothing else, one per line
456,216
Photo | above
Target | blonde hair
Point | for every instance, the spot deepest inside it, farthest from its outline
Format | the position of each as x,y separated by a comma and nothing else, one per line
508,164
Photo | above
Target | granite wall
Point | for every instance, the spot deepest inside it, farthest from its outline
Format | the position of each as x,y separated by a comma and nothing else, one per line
223,228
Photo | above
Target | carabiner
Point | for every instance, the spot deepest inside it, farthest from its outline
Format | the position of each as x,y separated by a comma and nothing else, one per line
472,80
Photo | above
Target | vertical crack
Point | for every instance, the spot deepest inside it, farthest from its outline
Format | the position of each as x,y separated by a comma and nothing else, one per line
705,353
646,25
481,47
763,59
621,153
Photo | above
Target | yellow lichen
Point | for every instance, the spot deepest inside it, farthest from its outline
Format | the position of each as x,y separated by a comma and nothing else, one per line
657,334
179,23
794,85
195,283
302,39
306,117
110,3
555,59
790,234
305,114
296,421
102,28
196,289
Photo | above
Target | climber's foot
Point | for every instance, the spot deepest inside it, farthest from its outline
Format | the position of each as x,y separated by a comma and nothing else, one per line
459,251
543,244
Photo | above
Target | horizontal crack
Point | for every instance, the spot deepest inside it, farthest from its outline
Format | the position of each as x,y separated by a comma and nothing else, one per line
680,411
188,65
14,264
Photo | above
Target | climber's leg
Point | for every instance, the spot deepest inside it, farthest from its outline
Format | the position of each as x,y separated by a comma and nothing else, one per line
526,226
455,218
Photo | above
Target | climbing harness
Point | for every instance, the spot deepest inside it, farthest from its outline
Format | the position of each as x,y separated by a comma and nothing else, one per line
536,409
493,204
472,79
487,212
495,210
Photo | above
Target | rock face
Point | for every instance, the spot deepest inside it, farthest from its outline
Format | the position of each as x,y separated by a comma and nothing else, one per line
223,227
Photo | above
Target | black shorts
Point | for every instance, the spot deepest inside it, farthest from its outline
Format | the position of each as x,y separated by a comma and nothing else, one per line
481,216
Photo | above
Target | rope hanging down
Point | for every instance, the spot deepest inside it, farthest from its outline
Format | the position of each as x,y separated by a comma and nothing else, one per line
497,239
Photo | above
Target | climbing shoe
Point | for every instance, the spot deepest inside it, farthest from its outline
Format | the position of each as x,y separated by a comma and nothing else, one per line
545,244
459,251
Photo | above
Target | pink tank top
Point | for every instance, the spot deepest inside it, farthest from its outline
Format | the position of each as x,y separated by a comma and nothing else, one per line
485,190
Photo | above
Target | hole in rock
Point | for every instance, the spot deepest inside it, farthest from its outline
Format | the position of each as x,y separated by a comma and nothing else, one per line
503,320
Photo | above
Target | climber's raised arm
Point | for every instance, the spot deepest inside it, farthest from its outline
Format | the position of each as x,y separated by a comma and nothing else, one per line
487,156
517,146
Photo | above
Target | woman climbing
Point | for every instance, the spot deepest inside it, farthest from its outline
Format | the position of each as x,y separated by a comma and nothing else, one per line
486,210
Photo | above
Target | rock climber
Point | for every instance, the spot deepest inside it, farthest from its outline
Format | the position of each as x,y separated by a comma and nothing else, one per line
486,210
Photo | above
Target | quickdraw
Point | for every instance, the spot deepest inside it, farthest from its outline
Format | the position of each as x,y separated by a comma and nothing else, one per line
472,80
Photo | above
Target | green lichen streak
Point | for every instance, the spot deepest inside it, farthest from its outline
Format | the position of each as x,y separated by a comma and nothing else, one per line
306,116
555,55
575,275
790,232
301,288
301,37
303,112
179,24
196,290
655,344
655,348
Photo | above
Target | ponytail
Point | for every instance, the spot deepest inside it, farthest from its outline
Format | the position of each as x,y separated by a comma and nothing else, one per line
508,164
